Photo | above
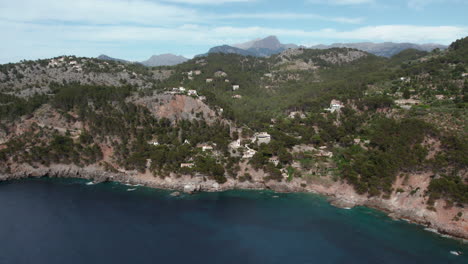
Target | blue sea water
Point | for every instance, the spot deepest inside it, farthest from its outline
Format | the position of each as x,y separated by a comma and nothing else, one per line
66,221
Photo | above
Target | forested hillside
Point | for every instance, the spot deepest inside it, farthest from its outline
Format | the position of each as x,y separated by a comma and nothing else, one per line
338,115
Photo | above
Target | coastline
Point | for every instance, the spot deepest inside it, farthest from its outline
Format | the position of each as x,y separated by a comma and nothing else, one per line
340,197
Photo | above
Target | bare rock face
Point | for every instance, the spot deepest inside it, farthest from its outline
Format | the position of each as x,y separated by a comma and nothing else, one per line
341,58
192,188
177,107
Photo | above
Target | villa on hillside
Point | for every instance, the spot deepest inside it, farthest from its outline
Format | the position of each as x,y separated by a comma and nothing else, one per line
249,153
262,138
235,87
274,160
293,115
187,165
407,103
154,143
335,105
192,93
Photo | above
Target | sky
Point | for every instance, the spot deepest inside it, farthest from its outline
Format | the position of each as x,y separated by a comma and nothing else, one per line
136,29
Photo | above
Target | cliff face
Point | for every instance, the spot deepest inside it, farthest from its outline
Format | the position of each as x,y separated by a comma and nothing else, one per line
177,107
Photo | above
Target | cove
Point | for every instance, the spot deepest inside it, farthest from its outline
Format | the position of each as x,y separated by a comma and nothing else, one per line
66,221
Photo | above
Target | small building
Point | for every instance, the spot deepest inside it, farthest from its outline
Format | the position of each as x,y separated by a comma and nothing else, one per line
263,138
190,73
192,93
187,165
237,96
235,144
407,103
197,72
226,81
269,75
154,143
181,89
357,141
220,74
324,153
440,96
249,153
209,80
235,87
335,105
207,147
202,97
187,142
295,114
274,160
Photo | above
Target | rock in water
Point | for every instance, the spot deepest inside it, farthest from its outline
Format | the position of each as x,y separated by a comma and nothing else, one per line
175,194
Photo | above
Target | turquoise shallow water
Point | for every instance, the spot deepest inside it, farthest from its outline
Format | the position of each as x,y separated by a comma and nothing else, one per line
67,221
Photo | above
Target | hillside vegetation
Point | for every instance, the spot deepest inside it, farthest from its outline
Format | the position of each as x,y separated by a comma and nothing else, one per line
397,116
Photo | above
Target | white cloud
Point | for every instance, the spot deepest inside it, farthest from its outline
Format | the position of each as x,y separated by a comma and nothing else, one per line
142,12
208,2
97,12
341,2
293,16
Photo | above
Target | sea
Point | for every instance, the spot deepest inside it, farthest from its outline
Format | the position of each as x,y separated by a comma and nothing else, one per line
73,221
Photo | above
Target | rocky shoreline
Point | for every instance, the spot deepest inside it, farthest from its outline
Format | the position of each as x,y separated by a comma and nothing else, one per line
337,197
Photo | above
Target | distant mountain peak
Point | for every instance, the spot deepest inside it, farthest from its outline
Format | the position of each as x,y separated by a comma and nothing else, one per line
166,59
261,47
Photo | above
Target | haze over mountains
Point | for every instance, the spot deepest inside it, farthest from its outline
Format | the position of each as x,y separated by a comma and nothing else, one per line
386,49
264,47
155,60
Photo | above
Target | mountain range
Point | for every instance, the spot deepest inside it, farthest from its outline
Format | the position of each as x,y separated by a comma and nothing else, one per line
264,47
386,49
155,60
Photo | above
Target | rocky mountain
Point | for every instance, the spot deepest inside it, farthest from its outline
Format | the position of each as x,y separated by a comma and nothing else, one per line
164,60
105,57
155,60
386,49
258,48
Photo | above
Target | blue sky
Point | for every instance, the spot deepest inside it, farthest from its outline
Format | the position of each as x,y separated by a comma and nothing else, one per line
137,29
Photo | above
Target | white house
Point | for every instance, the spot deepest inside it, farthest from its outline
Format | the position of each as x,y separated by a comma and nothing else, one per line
207,147
274,160
187,165
335,105
324,153
220,74
235,144
293,114
249,153
263,138
209,80
197,72
192,92
154,143
235,87
181,89
237,96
